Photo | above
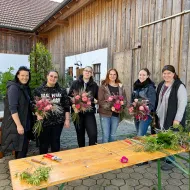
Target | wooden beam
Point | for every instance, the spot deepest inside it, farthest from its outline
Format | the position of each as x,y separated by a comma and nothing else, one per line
63,22
73,8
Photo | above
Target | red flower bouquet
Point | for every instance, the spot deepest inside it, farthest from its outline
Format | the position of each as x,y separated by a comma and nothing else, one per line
43,107
116,103
139,109
81,102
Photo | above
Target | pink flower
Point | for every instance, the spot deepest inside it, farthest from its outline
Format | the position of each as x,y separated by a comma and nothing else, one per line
84,94
141,108
84,99
121,102
134,104
121,98
136,100
77,106
117,102
117,106
48,107
110,99
77,97
124,159
89,103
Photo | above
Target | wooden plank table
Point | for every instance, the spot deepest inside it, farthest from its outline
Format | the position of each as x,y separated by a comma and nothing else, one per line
82,162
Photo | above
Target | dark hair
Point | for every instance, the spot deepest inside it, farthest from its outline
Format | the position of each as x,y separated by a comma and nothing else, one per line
106,81
22,68
170,68
53,71
146,70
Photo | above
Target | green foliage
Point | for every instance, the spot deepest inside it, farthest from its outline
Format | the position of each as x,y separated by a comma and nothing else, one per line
65,81
40,63
35,178
4,78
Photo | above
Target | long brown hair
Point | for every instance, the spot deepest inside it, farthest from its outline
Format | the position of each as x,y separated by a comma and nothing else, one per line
106,81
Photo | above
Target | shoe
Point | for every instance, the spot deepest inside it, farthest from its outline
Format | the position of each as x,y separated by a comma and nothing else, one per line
141,164
166,166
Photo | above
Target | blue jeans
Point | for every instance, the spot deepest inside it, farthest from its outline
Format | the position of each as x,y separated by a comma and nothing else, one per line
142,126
109,126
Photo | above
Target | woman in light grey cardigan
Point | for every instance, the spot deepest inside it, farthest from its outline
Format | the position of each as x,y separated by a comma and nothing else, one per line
171,102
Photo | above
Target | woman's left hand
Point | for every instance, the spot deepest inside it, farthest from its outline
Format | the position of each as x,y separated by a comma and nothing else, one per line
175,122
67,123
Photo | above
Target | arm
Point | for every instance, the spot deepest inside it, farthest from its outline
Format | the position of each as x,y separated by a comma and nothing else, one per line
66,105
182,103
13,97
151,95
101,98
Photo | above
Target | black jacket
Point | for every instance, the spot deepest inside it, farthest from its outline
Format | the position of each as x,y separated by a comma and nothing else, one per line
92,87
172,104
59,97
145,90
16,101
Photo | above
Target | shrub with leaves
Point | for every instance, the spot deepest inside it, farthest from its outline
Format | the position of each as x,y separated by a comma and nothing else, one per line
4,78
35,178
40,63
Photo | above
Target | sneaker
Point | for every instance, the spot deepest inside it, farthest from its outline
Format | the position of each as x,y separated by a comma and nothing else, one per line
166,166
141,164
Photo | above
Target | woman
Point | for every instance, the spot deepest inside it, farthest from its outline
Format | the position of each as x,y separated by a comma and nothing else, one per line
144,88
17,114
171,103
109,119
87,120
53,124
171,99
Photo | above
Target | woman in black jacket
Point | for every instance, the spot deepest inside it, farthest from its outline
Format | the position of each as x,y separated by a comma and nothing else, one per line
17,114
53,124
144,88
87,120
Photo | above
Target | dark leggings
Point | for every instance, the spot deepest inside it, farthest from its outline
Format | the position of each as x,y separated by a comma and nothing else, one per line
23,152
50,136
88,123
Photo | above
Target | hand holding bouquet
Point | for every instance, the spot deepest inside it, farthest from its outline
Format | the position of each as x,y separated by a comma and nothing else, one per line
81,102
43,107
139,109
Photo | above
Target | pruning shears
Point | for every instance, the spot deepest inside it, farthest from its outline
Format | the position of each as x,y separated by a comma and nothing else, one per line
52,157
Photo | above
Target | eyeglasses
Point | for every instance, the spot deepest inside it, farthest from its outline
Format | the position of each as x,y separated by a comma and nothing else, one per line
87,71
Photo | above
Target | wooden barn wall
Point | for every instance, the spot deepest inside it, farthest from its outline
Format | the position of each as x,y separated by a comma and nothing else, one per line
114,24
15,44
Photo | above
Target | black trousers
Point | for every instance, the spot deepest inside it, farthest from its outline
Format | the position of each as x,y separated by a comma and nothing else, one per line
50,137
87,122
23,153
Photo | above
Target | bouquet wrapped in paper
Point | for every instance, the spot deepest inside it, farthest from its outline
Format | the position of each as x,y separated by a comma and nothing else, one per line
43,107
139,109
81,102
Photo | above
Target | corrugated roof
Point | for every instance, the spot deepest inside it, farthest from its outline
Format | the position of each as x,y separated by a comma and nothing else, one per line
24,14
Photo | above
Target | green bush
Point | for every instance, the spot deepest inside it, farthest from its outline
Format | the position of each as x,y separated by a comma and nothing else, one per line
40,63
4,78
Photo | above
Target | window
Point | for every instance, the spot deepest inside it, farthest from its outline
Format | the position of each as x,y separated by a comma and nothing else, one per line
70,71
97,73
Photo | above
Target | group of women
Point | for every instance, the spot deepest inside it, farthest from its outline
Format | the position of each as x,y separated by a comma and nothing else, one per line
168,102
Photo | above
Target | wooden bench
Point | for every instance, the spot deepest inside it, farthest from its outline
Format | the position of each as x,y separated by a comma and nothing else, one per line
82,162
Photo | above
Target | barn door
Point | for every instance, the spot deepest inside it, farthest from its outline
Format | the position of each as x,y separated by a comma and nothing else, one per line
122,61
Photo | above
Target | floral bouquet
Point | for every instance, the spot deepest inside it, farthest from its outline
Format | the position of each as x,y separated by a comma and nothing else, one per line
81,102
43,107
139,109
116,103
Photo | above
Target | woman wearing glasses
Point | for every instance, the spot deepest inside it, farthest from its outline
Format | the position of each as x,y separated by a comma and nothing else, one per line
54,123
87,120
